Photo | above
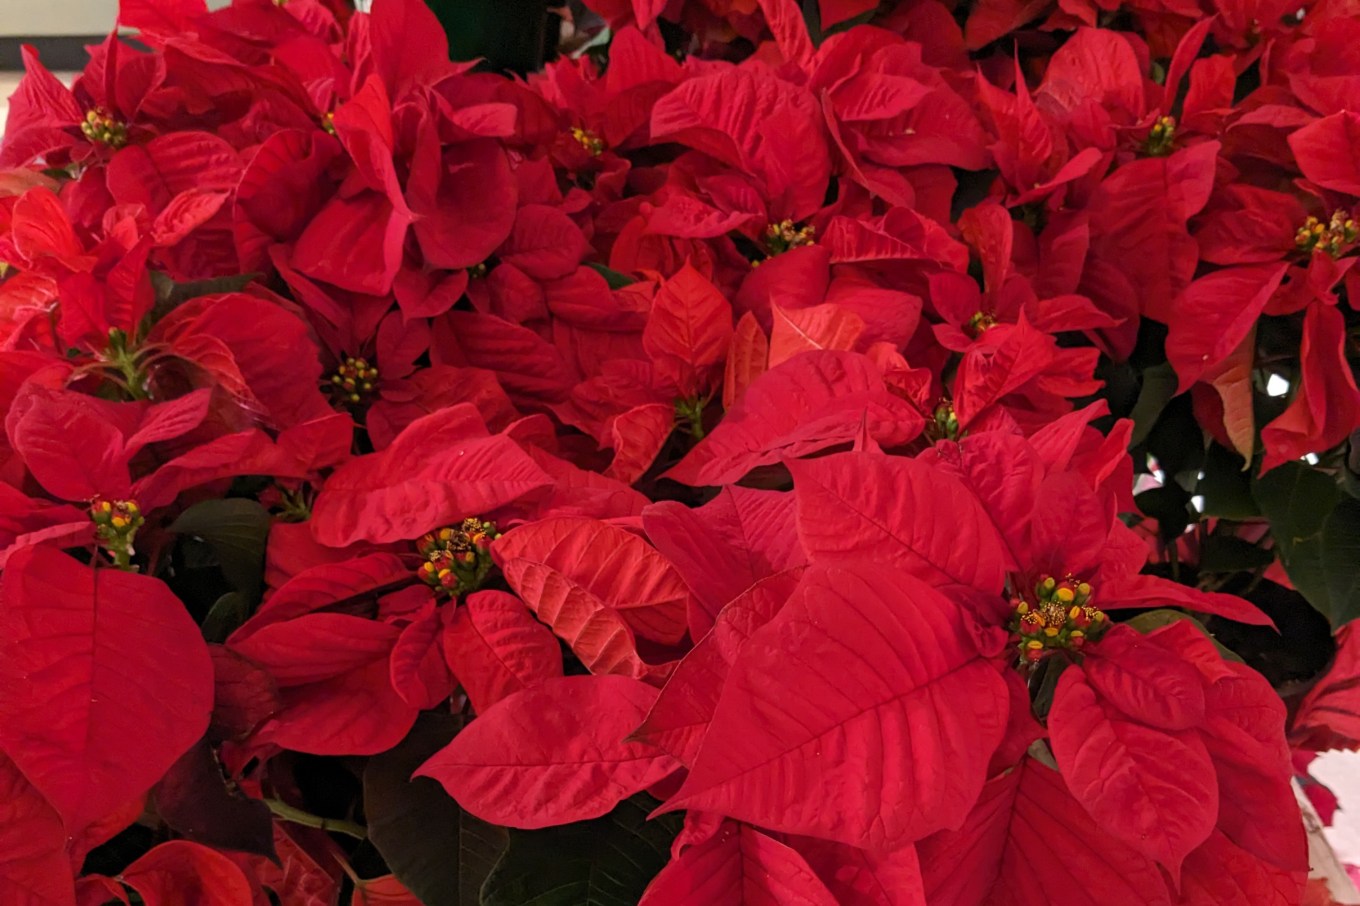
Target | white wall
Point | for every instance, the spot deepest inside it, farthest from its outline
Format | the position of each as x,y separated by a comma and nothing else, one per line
57,17
62,17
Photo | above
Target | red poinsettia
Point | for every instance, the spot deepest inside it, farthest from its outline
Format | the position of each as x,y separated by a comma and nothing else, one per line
824,453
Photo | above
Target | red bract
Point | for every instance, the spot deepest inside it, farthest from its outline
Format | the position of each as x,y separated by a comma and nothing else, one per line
98,645
875,454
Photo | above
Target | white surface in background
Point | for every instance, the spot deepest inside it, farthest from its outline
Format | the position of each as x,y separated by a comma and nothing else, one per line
57,17
8,82
1340,771
62,17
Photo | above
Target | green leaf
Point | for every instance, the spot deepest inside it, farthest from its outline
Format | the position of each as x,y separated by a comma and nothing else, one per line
1297,500
1043,699
615,279
1156,619
605,862
1341,561
1227,554
508,34
1176,440
1159,386
1226,486
440,852
1350,467
225,617
171,295
236,529
1170,506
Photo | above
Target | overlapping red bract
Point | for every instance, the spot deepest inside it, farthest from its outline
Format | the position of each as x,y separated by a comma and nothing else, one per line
774,365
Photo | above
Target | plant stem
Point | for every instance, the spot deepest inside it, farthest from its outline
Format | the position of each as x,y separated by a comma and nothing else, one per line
298,816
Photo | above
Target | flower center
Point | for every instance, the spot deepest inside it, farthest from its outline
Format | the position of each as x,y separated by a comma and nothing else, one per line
1333,237
979,324
116,524
328,120
100,126
593,144
457,558
782,236
944,425
1059,614
354,380
1161,136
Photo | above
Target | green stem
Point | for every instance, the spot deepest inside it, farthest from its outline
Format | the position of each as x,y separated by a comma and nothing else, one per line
136,382
307,819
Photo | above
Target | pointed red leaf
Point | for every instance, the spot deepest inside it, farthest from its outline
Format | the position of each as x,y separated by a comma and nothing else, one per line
1243,732
465,208
738,866
438,471
544,243
639,435
152,174
1004,854
71,450
165,421
747,359
790,749
725,546
1008,357
335,687
813,401
418,671
1138,218
828,326
1220,873
180,872
616,567
857,877
312,589
260,351
529,368
495,648
1153,591
552,754
88,660
1214,314
727,115
1326,407
1116,768
34,867
1232,380
688,331
1004,474
1145,681
892,509
679,719
1326,151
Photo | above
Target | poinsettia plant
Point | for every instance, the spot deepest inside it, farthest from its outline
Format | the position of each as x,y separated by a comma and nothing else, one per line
875,454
